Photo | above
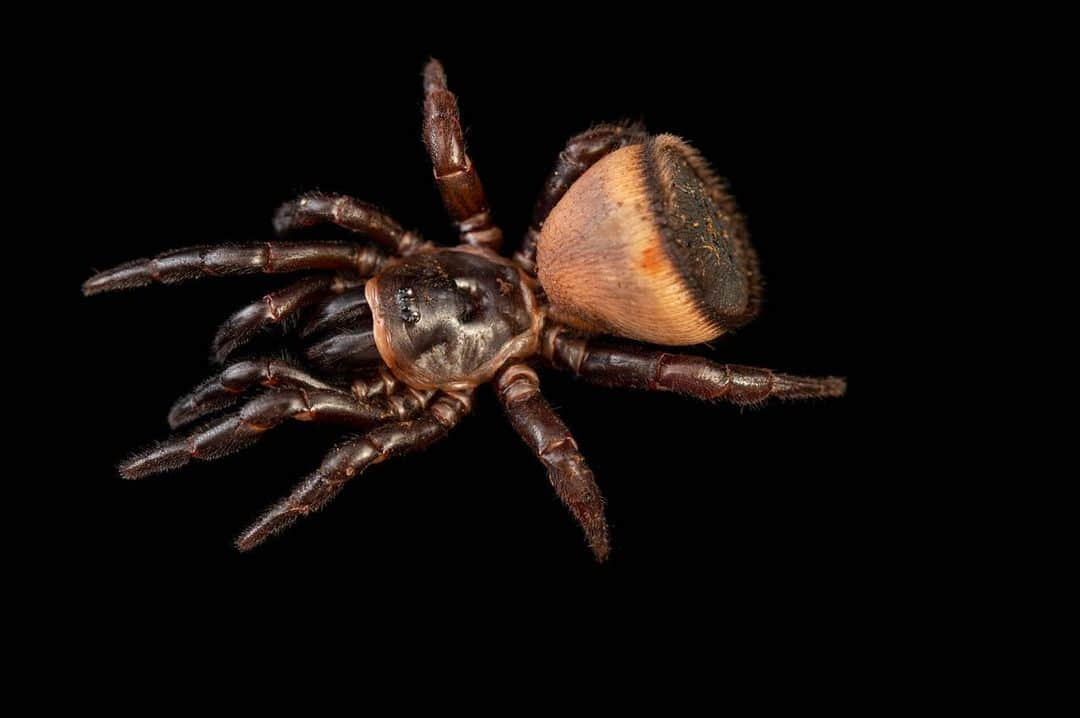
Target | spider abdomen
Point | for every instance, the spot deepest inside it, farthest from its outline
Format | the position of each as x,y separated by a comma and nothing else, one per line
648,245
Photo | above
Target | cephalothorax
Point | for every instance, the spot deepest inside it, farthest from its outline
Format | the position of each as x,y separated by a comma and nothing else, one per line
451,318
633,236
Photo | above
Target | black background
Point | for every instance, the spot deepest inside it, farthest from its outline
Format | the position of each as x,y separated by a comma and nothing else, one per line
197,140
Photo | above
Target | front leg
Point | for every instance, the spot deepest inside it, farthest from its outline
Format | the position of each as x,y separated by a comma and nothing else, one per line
181,265
698,377
537,423
274,308
459,184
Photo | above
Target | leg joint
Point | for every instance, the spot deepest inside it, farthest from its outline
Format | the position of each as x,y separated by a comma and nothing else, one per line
450,407
569,352
657,380
555,444
517,384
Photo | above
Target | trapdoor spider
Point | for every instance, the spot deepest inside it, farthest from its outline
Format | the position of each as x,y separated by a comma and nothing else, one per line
633,236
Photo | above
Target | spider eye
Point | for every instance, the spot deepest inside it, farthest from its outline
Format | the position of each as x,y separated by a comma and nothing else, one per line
406,299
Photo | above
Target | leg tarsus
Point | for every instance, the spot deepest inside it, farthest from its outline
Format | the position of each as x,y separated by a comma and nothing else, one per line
212,441
789,386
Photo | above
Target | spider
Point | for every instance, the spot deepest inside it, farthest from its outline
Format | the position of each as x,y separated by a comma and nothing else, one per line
633,236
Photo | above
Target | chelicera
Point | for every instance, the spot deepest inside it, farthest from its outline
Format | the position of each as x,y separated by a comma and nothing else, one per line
633,237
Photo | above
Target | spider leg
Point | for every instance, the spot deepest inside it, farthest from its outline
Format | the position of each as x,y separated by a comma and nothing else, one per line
318,208
456,176
346,352
273,308
226,388
698,377
349,460
180,265
237,431
537,423
337,311
378,383
581,152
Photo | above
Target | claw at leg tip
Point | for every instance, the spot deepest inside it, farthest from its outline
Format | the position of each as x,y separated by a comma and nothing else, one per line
140,467
129,470
177,418
284,218
252,537
156,460
434,75
225,341
96,284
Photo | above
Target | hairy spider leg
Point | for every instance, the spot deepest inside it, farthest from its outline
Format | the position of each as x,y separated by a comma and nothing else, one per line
347,352
275,308
352,458
518,388
317,208
180,265
582,151
694,376
227,388
337,311
241,429
456,176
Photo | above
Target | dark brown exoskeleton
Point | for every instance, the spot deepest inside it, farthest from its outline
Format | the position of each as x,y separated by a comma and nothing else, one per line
633,236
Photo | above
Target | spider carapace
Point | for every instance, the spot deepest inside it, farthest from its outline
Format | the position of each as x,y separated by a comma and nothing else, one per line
633,236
